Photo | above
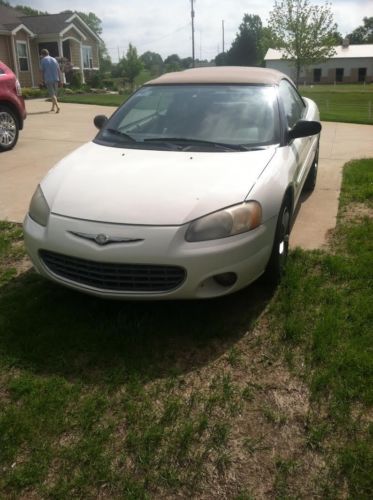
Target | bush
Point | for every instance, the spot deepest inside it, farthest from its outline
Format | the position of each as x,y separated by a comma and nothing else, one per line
31,93
76,80
109,84
93,79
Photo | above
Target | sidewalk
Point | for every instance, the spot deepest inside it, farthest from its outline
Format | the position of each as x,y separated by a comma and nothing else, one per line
340,142
48,137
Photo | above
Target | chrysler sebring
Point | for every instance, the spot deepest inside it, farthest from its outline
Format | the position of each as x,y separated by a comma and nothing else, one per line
187,191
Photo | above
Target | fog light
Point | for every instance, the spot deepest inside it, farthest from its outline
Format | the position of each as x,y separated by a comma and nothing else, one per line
226,279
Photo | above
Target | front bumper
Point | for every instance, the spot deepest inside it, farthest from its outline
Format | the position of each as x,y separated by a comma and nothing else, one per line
246,255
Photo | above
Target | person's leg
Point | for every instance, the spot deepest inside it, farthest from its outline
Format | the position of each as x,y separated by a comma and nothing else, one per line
52,90
55,102
51,93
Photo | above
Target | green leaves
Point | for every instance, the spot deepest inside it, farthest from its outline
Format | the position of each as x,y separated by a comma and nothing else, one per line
305,32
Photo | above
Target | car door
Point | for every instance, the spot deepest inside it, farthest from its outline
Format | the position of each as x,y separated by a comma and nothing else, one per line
294,110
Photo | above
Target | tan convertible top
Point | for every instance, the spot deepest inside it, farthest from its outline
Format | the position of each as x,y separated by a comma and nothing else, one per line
221,74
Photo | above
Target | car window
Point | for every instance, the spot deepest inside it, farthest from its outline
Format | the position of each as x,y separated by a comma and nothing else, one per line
293,104
2,72
145,107
230,114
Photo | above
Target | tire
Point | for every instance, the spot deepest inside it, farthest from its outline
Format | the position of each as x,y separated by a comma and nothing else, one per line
9,128
277,261
310,182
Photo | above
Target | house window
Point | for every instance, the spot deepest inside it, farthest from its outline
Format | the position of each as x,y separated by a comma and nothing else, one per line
339,75
22,56
87,57
362,74
317,75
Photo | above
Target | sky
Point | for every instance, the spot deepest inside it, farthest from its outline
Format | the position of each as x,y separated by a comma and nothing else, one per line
164,26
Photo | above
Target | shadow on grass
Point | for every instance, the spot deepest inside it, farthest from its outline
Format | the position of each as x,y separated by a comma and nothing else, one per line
47,329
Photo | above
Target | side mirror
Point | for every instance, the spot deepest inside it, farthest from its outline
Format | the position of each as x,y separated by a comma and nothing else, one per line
99,121
304,128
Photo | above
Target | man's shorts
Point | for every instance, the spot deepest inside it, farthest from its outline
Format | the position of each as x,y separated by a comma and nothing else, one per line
52,88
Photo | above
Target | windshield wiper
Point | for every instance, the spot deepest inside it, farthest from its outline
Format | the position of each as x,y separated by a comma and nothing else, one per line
191,142
121,134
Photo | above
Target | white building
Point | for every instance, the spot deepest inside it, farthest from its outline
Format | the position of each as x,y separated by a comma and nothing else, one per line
350,64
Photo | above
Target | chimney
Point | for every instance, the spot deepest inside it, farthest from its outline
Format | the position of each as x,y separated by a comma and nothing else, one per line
345,43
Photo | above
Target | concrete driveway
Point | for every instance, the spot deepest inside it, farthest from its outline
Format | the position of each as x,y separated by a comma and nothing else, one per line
48,137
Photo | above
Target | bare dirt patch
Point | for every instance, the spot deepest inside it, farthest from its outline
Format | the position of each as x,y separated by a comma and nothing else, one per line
354,211
266,454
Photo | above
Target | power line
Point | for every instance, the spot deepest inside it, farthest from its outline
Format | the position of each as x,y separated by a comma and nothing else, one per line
152,41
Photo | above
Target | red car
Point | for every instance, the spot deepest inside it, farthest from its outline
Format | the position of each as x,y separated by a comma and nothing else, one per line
12,108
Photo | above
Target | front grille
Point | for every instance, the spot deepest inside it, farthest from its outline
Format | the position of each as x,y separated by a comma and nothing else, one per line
115,277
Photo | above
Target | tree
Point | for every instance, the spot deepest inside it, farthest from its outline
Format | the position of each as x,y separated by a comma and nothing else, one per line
172,63
29,11
362,34
221,59
246,49
187,62
131,64
92,21
305,32
153,62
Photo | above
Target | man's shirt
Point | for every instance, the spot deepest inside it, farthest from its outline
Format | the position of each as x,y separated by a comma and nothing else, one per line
50,69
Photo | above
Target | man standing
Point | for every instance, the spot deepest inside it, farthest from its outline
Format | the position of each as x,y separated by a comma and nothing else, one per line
51,76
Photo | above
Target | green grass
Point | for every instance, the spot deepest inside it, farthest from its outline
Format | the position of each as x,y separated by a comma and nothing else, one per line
351,103
325,310
97,99
338,88
354,105
150,400
350,107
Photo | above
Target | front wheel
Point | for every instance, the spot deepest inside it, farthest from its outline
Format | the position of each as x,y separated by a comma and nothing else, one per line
9,128
277,261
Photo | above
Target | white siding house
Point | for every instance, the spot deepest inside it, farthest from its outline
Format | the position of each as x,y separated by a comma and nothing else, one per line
350,64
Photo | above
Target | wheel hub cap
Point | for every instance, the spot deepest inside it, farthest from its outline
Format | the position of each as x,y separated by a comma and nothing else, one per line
8,129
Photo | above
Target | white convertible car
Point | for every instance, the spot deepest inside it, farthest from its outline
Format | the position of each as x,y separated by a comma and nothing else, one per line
187,191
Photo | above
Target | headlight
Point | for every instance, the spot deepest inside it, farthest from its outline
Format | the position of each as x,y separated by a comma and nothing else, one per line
227,222
39,209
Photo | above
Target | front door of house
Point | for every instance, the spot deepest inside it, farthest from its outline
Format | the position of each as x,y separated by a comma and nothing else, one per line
52,48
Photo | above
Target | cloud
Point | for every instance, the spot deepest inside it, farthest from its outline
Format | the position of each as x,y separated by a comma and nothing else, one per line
164,26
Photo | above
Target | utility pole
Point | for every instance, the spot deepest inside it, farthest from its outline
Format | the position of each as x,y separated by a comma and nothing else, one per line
222,26
192,14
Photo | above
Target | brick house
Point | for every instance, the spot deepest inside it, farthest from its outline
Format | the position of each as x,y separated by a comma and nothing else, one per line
350,64
64,35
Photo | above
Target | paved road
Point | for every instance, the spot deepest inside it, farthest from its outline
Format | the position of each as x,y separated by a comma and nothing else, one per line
49,137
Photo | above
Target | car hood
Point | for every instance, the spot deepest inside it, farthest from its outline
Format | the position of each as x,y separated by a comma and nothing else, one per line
151,187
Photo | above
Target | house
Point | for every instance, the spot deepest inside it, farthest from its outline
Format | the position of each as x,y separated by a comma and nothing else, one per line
350,64
64,35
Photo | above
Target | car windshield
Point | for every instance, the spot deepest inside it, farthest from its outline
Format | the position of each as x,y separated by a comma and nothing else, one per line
195,117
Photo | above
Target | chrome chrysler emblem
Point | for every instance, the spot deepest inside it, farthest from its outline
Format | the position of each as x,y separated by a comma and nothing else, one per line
104,239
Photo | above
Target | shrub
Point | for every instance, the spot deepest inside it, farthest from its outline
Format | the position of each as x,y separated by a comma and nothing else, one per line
93,79
109,84
31,93
76,80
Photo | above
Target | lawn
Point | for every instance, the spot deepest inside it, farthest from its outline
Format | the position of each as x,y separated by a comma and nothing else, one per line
98,99
264,394
343,103
340,103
